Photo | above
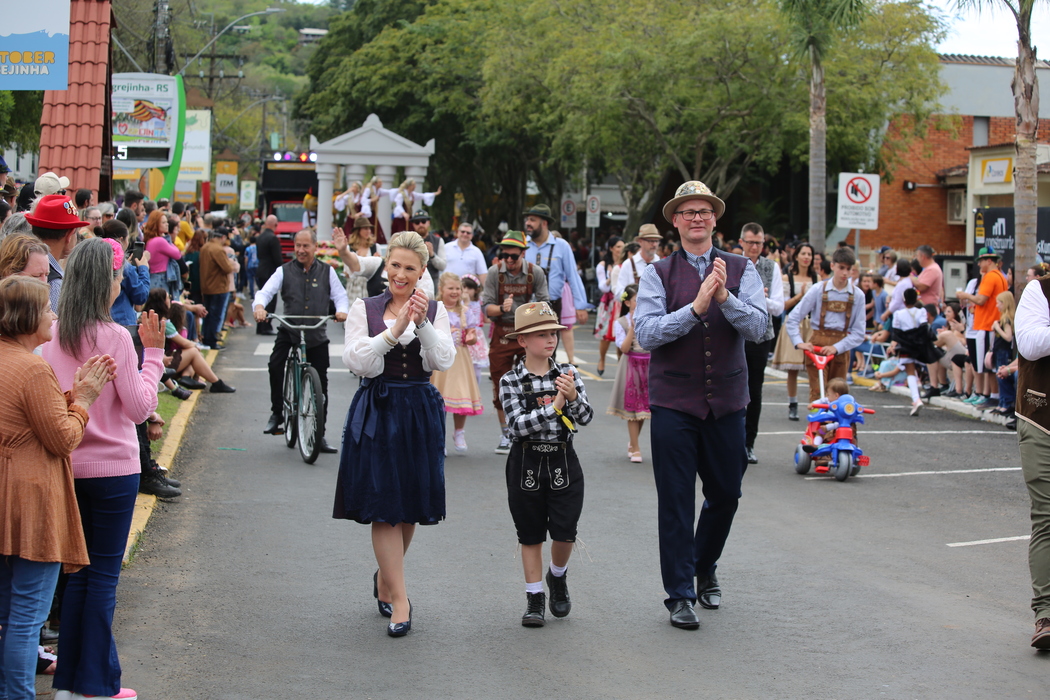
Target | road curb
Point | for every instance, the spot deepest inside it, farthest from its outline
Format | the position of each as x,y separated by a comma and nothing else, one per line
939,401
145,503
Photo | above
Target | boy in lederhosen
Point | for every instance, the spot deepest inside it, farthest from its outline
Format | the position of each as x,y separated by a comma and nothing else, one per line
836,311
544,402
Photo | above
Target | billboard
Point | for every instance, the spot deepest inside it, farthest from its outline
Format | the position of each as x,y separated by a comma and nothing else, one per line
146,113
34,46
994,226
196,146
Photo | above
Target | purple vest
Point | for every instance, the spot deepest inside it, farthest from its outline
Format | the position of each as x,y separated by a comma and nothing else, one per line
704,371
402,361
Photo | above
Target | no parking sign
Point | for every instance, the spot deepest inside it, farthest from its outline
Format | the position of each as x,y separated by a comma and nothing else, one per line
568,213
858,201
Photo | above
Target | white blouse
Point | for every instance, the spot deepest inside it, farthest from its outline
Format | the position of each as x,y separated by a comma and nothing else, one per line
363,354
399,200
607,280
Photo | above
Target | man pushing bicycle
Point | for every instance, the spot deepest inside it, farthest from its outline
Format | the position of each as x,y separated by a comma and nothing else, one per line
307,287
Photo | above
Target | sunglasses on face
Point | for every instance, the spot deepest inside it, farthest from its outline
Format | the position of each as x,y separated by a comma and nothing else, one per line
509,256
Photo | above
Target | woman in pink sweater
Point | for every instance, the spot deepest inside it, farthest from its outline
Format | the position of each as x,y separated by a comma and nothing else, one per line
161,250
106,464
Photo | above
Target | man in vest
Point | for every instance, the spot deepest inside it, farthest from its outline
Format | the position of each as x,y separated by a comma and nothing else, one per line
695,310
509,283
752,238
1032,329
555,256
307,286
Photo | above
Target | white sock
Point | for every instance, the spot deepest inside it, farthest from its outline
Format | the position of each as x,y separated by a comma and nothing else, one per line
558,571
792,399
534,587
913,384
994,395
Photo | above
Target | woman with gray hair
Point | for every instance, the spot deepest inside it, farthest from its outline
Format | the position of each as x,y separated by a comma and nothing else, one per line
392,466
16,223
106,464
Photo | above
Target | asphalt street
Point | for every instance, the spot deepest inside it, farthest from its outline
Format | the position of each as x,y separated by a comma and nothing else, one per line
247,588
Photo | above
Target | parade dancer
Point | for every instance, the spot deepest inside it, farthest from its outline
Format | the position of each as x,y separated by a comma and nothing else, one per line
694,327
544,402
509,283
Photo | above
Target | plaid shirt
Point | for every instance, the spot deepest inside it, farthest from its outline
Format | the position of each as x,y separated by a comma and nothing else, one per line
541,423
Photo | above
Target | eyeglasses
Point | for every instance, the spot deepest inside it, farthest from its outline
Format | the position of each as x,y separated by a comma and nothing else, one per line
690,214
743,242
509,256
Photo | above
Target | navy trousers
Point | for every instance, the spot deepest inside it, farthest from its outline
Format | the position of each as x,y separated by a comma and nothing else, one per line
685,447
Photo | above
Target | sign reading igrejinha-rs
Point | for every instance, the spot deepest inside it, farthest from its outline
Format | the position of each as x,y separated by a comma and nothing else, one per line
145,116
34,46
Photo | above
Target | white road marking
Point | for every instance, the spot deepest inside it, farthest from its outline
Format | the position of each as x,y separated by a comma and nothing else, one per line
245,369
927,473
264,349
908,406
992,541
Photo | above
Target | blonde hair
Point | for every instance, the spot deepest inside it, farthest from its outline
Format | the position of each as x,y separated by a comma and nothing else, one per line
409,240
445,278
1009,307
838,385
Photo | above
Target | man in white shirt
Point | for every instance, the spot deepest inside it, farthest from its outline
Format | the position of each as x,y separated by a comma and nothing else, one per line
648,240
465,258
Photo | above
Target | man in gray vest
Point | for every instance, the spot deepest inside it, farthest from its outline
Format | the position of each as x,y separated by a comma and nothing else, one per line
752,238
307,287
696,308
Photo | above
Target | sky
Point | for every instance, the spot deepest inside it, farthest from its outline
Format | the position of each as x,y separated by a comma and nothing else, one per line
992,33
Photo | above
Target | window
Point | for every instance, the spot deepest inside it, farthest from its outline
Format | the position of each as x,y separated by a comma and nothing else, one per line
980,131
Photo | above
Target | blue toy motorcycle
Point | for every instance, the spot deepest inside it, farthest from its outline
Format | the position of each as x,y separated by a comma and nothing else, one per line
829,445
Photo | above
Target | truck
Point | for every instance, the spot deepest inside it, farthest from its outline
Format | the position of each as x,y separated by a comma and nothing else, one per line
283,186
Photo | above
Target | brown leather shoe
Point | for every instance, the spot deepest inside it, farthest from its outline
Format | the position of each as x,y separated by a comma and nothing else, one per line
1041,638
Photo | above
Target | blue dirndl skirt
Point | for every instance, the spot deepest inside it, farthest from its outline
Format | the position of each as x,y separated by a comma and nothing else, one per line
392,463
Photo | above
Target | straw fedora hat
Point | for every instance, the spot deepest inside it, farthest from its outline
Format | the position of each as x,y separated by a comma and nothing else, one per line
649,232
533,317
694,189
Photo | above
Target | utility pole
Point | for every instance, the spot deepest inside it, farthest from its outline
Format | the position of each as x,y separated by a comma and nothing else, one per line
161,38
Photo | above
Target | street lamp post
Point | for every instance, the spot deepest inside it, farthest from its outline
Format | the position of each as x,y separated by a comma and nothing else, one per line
268,11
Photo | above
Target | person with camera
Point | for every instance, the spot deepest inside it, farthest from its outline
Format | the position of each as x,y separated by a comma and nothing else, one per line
509,283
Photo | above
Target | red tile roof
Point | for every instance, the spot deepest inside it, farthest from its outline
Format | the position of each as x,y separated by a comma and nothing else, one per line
74,121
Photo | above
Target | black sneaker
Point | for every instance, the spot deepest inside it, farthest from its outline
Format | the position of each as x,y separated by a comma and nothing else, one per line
180,393
221,387
164,474
533,616
793,411
153,483
191,383
559,587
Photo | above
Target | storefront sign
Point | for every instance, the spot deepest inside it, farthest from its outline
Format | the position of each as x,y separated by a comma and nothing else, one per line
997,171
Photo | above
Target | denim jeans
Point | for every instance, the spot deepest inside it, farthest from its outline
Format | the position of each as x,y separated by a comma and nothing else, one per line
26,588
216,307
89,662
1008,386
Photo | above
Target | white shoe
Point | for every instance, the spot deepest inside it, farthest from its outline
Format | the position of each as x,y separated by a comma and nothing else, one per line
915,408
63,695
459,439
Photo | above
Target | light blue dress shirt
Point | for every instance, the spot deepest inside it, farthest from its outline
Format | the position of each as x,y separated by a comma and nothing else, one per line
556,253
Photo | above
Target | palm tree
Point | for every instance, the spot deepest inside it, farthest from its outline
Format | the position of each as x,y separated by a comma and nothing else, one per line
1026,107
815,24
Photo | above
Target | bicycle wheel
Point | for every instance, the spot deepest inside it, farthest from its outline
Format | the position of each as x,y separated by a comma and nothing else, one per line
291,401
311,411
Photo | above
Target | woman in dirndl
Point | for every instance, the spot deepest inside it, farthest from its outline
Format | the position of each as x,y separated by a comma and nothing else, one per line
392,466
799,278
630,391
609,305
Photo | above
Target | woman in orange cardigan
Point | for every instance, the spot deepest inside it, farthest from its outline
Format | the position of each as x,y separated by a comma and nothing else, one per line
39,523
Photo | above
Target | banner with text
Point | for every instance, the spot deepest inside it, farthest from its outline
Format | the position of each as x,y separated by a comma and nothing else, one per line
34,46
226,182
995,227
196,146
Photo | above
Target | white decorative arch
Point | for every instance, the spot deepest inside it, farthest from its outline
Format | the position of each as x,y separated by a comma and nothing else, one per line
370,144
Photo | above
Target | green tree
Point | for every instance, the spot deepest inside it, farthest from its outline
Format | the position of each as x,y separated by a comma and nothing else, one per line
1026,105
815,25
20,112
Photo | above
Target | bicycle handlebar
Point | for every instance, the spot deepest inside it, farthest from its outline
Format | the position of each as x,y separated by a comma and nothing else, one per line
283,321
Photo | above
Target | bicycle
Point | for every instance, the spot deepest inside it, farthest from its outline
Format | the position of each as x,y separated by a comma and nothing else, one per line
303,398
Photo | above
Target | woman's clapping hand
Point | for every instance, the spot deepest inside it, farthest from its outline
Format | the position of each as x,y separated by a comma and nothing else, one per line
150,330
414,310
91,378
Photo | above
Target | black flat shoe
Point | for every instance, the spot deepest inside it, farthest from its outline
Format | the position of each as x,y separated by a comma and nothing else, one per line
792,411
751,458
326,448
559,588
273,426
709,593
683,616
601,371
400,629
385,609
191,383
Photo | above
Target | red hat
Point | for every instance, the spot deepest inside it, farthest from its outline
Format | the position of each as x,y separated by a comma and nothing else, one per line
55,211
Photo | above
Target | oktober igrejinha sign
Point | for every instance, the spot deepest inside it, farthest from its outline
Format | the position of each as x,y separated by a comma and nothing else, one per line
34,46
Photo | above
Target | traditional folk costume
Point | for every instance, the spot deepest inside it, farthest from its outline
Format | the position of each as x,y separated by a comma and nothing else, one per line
630,391
392,465
609,305
840,323
459,385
